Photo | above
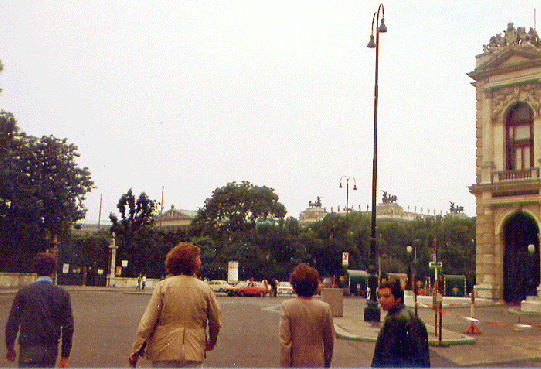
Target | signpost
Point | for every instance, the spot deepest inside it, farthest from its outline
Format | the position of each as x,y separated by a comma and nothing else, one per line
345,259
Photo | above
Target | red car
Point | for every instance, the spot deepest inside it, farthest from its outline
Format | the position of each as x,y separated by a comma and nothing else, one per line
252,289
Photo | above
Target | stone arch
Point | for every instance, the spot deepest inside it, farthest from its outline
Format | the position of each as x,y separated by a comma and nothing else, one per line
520,269
504,98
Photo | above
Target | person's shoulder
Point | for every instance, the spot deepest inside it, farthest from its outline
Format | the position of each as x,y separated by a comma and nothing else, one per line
286,304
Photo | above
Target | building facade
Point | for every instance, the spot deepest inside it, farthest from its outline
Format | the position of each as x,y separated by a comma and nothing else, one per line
507,80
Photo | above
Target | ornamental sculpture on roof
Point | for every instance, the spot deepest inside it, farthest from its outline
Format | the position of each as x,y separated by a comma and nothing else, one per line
315,204
388,199
513,36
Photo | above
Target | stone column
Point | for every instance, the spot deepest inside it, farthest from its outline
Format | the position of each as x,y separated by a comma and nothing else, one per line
113,248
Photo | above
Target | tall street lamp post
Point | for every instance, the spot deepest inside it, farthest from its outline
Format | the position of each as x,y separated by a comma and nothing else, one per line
372,312
347,190
411,273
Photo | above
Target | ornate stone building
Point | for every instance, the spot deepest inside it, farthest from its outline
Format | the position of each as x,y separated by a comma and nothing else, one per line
507,80
174,219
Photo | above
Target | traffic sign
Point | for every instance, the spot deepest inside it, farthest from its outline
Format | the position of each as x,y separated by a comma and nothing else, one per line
345,259
434,264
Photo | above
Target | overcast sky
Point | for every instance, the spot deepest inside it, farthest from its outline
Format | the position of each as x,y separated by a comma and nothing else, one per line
191,95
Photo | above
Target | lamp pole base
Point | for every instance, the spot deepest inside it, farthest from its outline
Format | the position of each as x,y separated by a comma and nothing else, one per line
372,313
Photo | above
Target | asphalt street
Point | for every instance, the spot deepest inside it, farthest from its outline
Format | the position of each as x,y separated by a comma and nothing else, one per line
105,323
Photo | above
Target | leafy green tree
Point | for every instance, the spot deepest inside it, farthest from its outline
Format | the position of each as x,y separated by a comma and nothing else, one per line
42,191
135,224
230,218
236,208
60,184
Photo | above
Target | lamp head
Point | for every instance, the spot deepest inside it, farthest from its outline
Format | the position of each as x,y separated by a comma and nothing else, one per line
531,248
382,27
340,184
355,187
371,43
409,249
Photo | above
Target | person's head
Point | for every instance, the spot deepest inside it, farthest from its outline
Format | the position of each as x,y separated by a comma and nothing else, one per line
183,259
304,280
390,294
44,263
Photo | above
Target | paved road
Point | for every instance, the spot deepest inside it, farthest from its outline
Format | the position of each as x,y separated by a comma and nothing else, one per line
105,323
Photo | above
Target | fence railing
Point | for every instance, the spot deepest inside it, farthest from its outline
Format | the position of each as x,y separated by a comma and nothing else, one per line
515,175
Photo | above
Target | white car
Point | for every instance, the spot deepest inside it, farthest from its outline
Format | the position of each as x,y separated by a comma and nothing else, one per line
218,285
285,288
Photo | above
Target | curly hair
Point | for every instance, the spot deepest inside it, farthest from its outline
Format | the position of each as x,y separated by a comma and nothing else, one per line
395,286
182,259
44,263
305,280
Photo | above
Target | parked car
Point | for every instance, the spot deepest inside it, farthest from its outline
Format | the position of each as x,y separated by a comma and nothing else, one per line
285,288
220,286
251,289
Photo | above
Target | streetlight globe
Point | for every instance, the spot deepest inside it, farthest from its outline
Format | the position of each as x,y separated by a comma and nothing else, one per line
409,249
531,248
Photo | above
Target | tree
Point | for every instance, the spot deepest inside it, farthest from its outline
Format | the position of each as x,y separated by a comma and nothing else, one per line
230,219
236,208
60,184
137,219
42,190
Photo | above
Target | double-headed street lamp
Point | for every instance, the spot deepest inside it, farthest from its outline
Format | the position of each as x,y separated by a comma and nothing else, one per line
372,312
347,190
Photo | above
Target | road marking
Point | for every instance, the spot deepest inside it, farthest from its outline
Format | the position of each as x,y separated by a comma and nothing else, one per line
272,309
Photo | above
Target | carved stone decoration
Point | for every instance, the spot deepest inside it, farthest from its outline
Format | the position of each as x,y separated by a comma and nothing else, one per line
315,204
513,36
529,93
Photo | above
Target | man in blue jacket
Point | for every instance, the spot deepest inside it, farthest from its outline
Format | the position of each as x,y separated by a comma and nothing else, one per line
42,315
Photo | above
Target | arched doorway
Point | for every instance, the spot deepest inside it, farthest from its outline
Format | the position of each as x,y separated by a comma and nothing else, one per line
520,267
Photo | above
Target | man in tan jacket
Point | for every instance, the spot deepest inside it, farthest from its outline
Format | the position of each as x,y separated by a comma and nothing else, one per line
173,329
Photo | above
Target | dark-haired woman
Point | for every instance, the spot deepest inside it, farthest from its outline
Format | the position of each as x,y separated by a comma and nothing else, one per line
306,326
173,329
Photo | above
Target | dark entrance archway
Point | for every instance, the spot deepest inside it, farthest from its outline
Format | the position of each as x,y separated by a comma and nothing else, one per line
520,267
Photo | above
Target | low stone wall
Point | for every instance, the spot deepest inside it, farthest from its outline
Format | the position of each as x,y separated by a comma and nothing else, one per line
16,280
125,282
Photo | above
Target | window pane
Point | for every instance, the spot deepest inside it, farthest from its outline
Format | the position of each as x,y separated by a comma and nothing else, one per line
518,159
522,113
527,157
522,133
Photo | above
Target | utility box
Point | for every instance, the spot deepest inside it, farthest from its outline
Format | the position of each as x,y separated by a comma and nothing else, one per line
335,298
358,282
454,285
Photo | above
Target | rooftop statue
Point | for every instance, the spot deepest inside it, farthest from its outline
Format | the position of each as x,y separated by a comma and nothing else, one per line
513,36
388,198
455,209
316,204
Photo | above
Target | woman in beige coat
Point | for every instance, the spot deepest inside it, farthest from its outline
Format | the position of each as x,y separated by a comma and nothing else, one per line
173,329
306,326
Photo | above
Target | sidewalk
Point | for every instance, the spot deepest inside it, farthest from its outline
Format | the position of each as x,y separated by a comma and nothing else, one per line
491,348
352,327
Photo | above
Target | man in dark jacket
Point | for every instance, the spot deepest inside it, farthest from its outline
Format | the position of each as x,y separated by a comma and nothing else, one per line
42,313
403,339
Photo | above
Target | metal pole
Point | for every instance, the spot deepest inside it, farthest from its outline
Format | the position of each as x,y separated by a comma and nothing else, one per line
372,312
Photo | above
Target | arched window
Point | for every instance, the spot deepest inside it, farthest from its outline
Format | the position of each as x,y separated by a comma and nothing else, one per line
519,138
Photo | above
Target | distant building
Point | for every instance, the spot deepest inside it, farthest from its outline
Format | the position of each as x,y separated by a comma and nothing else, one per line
387,210
174,219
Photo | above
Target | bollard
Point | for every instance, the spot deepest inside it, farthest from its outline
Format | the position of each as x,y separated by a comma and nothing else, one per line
472,328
